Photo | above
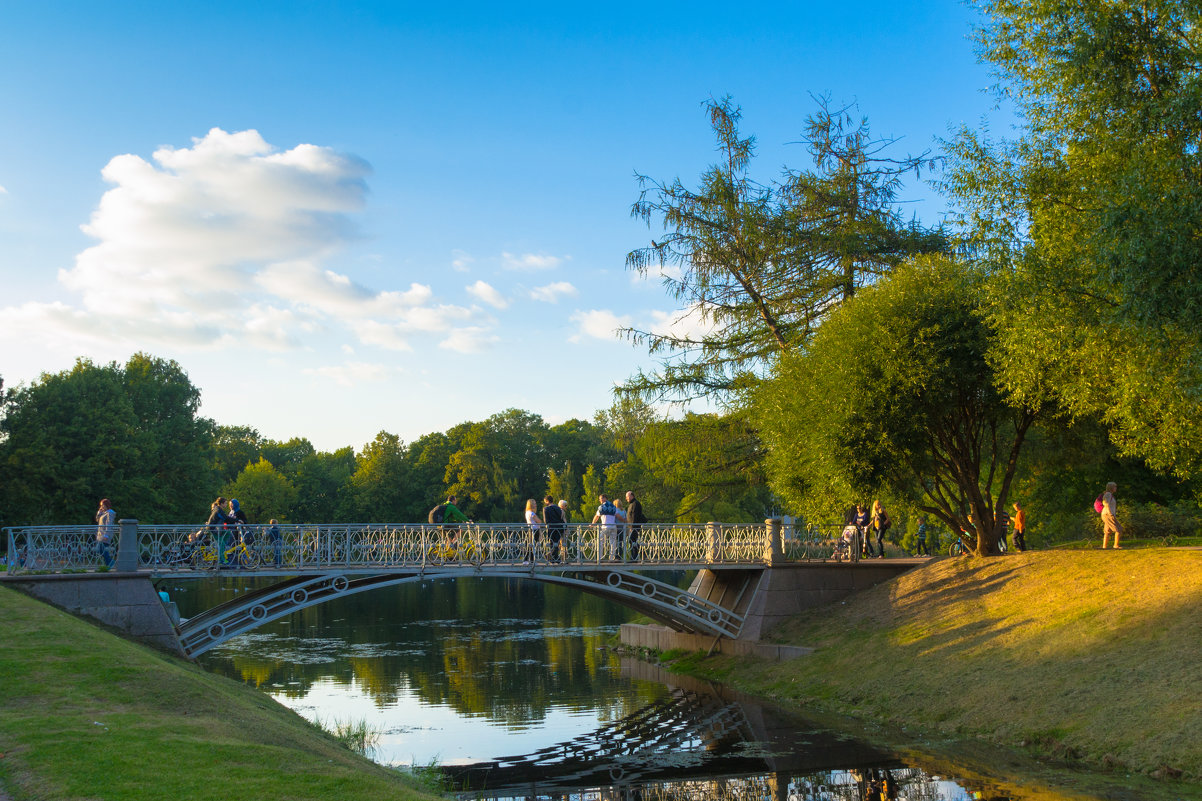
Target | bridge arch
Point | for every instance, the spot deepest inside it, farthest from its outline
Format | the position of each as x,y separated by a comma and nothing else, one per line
679,609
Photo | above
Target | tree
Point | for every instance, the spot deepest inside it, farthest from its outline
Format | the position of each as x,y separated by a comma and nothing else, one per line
380,482
129,433
234,447
264,492
1090,218
896,395
323,487
760,265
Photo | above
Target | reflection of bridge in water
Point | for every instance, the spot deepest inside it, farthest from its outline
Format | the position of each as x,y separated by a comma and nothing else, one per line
697,744
746,580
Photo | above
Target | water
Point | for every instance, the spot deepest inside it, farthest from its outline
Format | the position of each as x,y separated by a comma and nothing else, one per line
511,688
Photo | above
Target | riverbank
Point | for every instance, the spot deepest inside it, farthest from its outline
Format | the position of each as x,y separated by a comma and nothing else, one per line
1086,657
90,715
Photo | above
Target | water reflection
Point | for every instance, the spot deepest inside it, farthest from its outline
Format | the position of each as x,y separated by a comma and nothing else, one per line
462,672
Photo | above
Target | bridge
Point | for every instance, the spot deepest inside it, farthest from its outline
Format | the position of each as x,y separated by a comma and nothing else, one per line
746,581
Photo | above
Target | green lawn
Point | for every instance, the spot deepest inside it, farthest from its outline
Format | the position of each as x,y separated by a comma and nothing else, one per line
88,715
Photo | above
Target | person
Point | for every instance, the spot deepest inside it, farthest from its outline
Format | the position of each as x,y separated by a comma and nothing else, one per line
622,525
1110,523
106,526
276,541
450,516
922,537
861,519
553,519
607,516
242,530
218,524
880,522
1019,521
535,524
634,513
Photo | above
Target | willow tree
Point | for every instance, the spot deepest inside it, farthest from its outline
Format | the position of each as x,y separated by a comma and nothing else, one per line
755,267
896,395
1091,218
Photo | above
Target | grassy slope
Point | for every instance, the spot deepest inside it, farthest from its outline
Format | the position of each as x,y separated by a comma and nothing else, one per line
1083,655
89,715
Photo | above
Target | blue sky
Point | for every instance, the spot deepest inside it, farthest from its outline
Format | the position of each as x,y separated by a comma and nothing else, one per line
342,218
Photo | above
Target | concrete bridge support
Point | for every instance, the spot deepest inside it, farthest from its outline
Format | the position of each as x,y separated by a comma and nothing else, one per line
129,604
765,599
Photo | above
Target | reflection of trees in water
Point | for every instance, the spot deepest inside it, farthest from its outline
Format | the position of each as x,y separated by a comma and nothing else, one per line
489,647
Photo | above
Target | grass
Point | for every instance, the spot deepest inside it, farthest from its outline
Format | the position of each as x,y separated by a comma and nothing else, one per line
1087,657
88,715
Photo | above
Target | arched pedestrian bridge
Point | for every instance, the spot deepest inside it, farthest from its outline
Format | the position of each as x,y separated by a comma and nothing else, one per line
746,577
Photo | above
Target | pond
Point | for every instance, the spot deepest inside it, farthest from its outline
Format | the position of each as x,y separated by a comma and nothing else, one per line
512,690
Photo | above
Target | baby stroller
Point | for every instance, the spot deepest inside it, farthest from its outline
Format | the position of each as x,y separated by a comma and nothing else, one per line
843,545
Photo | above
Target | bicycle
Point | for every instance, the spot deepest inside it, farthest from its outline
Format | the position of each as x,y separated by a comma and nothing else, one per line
240,555
464,549
959,547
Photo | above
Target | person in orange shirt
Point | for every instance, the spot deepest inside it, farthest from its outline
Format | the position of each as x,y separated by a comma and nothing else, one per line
1019,521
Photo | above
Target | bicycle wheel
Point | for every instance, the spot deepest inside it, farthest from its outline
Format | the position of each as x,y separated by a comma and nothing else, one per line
249,557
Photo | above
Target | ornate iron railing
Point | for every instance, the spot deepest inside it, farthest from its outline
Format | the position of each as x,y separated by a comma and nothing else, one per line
369,546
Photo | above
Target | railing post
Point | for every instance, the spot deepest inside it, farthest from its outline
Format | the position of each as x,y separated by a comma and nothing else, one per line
127,546
774,552
713,542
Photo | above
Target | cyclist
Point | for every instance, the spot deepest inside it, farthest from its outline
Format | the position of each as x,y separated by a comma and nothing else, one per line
450,516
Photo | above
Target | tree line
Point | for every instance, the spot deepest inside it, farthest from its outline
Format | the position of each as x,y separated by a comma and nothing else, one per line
132,433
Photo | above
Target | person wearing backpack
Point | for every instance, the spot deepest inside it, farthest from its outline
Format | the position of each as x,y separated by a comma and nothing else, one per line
447,515
1109,513
882,523
607,516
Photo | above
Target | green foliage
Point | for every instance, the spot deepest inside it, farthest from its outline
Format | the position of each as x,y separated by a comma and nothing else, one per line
760,265
127,433
1090,217
895,396
263,492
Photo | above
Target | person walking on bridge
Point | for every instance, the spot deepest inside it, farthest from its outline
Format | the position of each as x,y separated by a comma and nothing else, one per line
634,514
106,525
553,518
607,516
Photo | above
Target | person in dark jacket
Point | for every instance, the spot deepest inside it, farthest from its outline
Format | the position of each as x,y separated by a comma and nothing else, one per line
636,518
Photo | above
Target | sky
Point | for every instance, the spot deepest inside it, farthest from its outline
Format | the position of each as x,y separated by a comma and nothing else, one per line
346,218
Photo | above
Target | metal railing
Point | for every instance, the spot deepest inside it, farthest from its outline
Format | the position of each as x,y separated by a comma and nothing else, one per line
56,549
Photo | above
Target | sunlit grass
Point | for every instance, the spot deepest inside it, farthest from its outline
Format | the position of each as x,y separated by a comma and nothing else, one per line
1076,654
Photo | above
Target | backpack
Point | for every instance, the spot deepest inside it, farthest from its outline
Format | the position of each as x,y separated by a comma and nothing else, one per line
436,514
1098,505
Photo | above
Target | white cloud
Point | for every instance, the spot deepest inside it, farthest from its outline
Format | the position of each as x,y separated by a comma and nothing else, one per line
351,373
551,293
486,294
598,324
691,323
228,243
3,191
461,261
469,340
530,261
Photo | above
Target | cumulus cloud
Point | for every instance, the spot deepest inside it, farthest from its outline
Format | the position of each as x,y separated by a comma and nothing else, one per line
551,293
229,243
530,261
691,323
486,294
598,324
